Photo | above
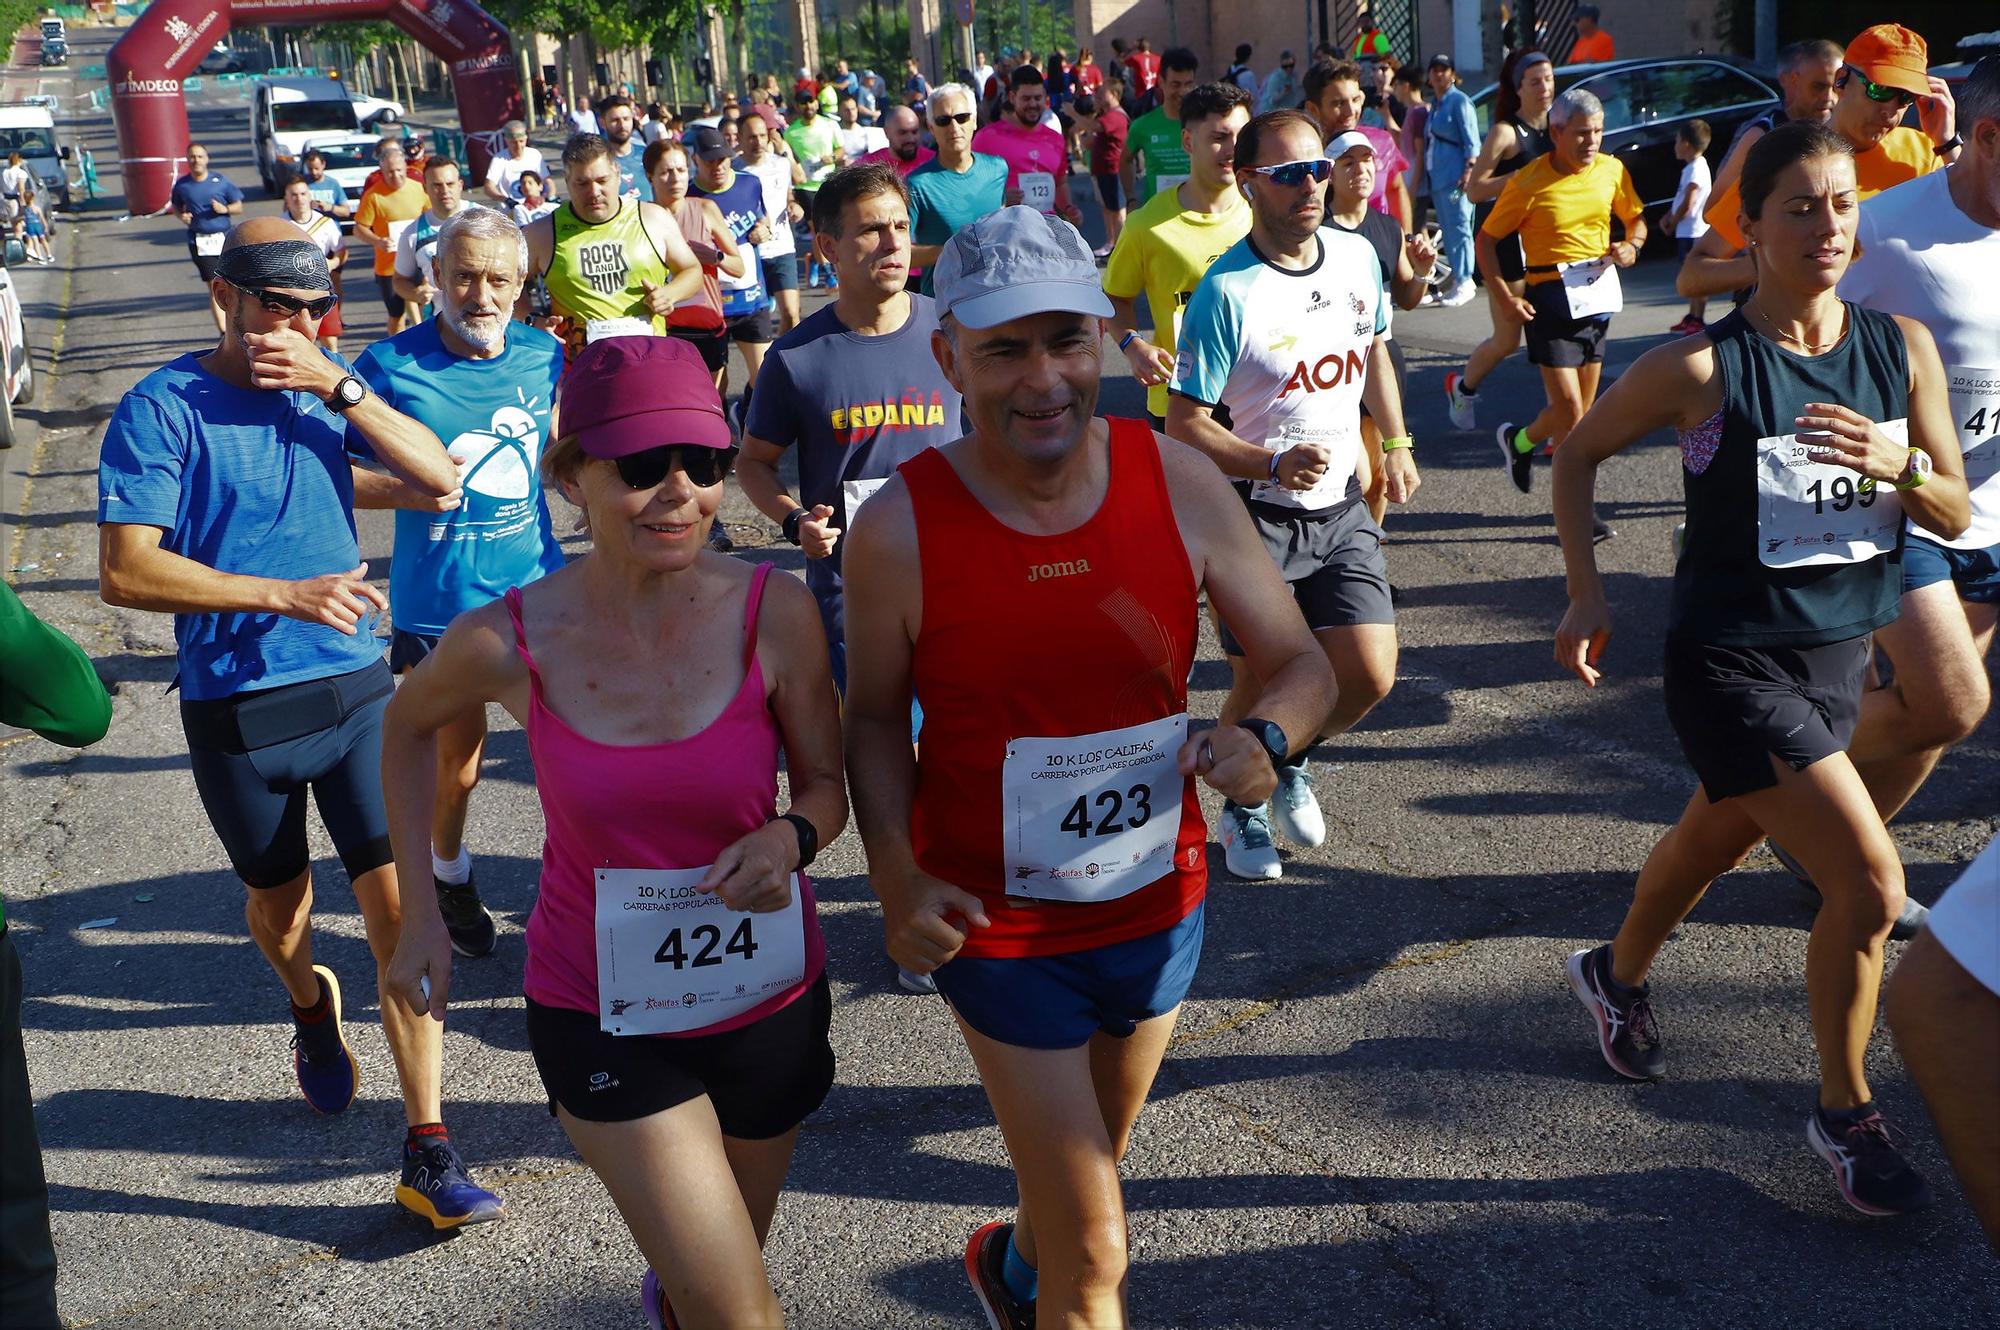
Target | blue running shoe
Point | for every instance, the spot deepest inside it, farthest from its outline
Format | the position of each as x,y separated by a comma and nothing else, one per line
328,1074
436,1186
659,1312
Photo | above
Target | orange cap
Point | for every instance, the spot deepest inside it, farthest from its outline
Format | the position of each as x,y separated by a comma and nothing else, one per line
1892,55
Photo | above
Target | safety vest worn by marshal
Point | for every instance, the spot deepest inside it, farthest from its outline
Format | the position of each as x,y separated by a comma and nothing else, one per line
598,270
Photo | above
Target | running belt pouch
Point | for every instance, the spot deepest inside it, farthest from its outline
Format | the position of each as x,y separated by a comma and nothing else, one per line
287,713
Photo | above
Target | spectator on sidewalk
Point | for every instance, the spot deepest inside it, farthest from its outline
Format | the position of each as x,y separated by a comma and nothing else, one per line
1593,44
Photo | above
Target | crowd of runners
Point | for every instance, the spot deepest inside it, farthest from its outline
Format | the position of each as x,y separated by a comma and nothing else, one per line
1030,818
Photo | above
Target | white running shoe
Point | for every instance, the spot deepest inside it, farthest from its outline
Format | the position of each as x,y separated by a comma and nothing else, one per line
1459,403
1295,809
1461,293
912,982
1247,851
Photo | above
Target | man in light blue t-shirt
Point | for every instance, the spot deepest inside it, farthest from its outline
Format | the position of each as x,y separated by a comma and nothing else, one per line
225,497
484,385
958,186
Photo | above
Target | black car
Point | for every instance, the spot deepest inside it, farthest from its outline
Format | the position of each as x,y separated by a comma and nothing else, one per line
55,51
1647,101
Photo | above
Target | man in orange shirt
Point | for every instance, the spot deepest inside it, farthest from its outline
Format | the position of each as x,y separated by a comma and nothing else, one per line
380,217
1886,69
1593,44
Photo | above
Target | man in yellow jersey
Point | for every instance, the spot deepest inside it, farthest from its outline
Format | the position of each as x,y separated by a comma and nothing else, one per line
1167,244
1562,204
1885,69
615,267
390,203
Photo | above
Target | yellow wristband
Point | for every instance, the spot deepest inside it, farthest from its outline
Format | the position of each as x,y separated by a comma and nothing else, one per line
1400,441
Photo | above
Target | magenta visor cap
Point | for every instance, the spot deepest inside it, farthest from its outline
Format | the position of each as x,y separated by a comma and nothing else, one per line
623,395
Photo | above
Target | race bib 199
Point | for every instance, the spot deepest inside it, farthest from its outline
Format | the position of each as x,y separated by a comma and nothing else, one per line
1817,513
671,959
1093,817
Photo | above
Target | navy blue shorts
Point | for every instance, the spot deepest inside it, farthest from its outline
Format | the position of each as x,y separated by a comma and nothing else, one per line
255,755
781,272
407,650
1061,1001
1975,573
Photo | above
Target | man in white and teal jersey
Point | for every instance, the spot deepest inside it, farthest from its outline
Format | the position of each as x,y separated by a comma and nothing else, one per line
1282,342
416,248
483,384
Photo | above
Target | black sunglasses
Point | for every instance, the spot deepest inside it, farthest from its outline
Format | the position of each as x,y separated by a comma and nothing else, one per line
942,120
277,302
649,468
1882,92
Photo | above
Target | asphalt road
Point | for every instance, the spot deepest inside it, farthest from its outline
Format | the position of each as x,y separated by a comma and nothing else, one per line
1383,1107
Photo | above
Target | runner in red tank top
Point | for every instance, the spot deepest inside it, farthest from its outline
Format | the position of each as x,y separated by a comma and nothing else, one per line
1042,855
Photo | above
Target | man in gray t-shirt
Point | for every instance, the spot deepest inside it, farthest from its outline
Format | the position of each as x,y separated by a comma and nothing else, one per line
855,386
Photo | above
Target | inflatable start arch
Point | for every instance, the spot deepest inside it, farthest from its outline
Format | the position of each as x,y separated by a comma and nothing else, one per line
170,39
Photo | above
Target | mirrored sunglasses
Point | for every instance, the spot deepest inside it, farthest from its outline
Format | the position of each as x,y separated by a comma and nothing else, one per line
649,468
1290,175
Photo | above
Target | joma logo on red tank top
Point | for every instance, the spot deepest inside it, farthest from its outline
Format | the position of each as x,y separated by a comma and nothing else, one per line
1326,372
1042,572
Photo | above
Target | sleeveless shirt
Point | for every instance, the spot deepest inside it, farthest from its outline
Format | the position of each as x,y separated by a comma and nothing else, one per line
701,312
596,269
1047,635
1724,593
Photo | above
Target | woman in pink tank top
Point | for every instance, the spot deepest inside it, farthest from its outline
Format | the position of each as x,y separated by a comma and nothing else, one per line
698,319
676,996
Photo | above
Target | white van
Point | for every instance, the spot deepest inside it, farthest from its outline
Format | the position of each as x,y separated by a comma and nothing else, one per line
31,131
53,28
285,112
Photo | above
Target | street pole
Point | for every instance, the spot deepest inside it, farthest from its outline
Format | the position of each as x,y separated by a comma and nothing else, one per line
1767,33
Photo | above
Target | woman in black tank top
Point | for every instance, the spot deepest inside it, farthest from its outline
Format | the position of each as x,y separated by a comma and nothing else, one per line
1518,136
1792,415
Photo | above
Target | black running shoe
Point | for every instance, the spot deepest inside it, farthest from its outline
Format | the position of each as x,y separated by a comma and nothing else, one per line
1870,1171
466,918
1908,924
1520,465
1626,1032
1600,531
985,1255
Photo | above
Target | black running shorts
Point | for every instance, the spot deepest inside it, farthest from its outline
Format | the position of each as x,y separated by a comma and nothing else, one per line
1332,563
763,1079
256,755
1736,708
1554,338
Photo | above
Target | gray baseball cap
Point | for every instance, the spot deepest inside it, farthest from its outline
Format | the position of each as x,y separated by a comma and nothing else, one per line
1014,263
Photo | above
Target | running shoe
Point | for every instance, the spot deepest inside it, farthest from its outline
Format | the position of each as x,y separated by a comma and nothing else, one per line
1870,1171
659,1312
1247,851
1462,293
1600,531
985,1256
1626,1032
1908,924
1459,403
1679,539
466,918
436,1186
328,1074
1520,465
1295,809
912,982
1101,253
1688,325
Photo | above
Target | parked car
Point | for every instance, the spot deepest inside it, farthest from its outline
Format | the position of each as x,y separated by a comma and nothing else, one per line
285,112
221,60
17,366
55,51
1647,101
369,109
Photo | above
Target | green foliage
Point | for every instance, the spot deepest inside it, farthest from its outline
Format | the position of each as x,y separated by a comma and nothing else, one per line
613,23
18,14
876,38
361,38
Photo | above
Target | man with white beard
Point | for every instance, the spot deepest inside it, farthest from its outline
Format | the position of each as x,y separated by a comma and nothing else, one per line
484,385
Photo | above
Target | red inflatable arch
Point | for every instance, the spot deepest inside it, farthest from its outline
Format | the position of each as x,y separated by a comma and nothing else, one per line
170,38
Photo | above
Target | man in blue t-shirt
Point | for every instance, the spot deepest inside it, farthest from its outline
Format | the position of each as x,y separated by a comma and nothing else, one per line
484,385
739,196
328,195
855,388
958,186
207,205
225,497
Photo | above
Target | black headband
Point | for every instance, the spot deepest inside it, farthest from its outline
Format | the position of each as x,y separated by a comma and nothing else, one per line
298,264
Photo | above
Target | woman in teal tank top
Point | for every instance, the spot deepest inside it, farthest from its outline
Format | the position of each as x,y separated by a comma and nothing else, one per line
1808,428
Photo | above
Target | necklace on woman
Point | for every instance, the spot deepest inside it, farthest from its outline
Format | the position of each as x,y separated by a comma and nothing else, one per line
1811,348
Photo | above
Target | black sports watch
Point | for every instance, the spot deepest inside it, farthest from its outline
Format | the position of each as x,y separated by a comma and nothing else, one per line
808,838
347,393
790,526
1267,733
1950,145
